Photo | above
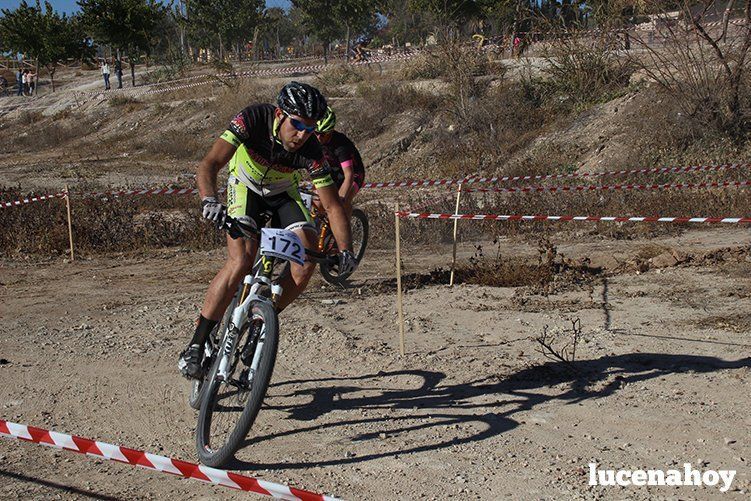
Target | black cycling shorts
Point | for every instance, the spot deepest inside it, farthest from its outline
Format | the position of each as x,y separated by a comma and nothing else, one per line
287,209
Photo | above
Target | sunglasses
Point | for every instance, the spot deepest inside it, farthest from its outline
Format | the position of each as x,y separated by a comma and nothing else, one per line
298,125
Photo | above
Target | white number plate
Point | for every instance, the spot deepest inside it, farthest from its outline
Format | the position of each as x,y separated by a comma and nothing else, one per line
283,244
307,199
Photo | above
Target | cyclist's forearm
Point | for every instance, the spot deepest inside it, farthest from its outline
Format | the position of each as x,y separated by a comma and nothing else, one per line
206,178
209,168
349,179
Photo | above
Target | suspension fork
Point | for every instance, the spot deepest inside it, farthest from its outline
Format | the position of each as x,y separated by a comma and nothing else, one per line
322,235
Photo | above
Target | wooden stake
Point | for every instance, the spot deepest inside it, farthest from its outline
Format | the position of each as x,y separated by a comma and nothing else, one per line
456,224
70,222
399,303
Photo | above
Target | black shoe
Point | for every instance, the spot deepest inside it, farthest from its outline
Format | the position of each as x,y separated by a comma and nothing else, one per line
190,361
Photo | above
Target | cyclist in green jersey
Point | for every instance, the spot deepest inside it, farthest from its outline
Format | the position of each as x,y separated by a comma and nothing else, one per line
266,147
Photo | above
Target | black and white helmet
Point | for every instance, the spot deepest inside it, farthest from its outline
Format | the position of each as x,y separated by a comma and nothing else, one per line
302,100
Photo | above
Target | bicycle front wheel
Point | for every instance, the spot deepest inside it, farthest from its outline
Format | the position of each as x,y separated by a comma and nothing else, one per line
197,386
230,407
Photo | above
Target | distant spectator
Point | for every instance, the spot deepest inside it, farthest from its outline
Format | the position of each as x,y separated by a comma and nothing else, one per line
119,73
106,74
517,46
19,78
30,81
3,86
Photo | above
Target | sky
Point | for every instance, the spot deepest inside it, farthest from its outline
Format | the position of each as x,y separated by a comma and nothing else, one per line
70,6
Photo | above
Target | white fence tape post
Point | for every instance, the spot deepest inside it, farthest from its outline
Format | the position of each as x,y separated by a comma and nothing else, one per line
70,222
456,228
399,302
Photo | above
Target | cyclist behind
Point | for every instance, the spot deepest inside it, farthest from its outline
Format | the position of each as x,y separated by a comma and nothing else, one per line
347,169
266,146
362,53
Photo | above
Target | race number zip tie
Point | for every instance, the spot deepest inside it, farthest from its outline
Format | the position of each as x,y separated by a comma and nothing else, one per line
5,205
615,187
153,462
616,219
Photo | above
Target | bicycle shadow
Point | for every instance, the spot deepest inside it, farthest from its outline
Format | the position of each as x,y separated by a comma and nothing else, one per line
585,381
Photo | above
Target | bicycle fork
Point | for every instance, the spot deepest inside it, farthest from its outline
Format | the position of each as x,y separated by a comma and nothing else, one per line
251,286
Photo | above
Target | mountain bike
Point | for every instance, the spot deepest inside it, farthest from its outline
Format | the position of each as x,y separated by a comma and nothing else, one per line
327,243
240,353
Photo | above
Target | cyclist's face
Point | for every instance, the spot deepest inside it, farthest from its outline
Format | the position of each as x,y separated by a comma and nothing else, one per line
290,135
324,137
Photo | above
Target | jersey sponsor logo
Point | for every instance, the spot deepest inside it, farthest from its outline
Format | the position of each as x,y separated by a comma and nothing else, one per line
238,124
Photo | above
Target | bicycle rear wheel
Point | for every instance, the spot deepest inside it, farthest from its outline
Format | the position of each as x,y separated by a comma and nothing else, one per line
230,407
360,231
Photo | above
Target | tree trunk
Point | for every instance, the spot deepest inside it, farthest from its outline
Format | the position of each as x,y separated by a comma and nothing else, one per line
325,53
36,78
221,49
346,50
255,44
132,71
278,45
51,71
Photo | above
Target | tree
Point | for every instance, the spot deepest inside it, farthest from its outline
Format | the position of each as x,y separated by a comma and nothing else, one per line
278,29
43,34
224,23
448,12
132,26
328,20
320,20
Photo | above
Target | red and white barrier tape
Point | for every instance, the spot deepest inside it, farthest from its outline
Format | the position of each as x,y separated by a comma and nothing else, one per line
312,68
5,205
617,219
476,180
153,462
154,191
615,187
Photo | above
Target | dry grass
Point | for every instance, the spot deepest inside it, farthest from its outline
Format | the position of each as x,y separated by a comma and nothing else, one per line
103,225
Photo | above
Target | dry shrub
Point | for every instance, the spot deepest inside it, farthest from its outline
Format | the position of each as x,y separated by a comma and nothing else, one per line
447,60
330,79
34,132
583,68
122,224
237,94
378,102
424,66
123,100
706,71
502,271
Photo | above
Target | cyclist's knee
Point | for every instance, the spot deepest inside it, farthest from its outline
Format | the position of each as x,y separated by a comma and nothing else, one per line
240,262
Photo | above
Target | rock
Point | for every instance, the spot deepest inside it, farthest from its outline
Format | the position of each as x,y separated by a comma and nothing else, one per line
664,260
728,441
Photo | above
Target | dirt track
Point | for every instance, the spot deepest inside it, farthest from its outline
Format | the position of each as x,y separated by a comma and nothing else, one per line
662,377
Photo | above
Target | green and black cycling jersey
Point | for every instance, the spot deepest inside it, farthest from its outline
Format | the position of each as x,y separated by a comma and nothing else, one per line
261,163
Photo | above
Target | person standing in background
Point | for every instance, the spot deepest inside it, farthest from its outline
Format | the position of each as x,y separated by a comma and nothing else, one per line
106,74
19,78
119,73
30,79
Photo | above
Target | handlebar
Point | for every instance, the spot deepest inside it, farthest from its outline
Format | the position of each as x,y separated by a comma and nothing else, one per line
232,226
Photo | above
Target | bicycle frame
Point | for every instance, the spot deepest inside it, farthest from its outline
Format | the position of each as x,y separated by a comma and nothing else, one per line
251,286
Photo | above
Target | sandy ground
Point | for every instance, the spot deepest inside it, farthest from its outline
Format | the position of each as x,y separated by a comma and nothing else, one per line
473,411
